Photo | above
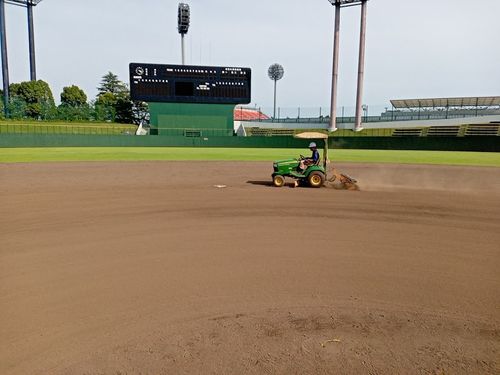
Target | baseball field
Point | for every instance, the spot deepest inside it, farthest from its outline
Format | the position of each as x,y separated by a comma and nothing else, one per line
185,261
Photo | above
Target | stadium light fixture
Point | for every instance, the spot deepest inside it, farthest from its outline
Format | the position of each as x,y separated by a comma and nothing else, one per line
361,64
23,2
29,4
183,23
345,2
275,73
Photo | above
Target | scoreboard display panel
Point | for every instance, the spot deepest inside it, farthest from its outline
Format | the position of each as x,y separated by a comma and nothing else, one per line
190,84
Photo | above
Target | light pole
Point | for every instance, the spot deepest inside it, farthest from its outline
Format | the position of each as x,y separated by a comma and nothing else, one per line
275,73
183,21
335,74
5,60
29,4
31,37
361,64
361,67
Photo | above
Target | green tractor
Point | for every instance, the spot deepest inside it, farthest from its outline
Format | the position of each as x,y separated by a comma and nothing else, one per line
314,175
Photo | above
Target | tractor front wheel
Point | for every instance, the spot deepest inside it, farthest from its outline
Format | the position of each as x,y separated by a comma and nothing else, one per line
316,179
278,181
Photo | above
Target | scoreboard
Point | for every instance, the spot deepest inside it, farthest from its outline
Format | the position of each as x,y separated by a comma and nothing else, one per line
190,84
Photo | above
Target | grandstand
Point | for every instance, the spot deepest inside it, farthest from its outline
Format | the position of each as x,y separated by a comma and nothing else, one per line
442,108
408,118
434,117
248,114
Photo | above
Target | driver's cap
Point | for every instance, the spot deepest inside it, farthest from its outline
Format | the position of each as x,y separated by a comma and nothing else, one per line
312,145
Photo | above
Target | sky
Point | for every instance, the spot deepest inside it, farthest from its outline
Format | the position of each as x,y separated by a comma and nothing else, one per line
414,49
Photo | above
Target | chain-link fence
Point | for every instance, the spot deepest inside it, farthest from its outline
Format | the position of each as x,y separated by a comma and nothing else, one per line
75,129
346,114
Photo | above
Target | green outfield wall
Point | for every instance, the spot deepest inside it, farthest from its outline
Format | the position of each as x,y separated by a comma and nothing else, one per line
480,143
185,119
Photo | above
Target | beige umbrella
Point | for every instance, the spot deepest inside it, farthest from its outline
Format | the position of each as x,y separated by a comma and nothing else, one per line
316,135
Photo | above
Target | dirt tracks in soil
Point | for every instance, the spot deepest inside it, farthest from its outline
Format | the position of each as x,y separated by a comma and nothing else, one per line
148,268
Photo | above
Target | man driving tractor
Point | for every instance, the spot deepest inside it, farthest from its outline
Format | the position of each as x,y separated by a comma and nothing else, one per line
313,160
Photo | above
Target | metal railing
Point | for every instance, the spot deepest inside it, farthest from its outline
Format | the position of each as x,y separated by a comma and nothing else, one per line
430,131
320,115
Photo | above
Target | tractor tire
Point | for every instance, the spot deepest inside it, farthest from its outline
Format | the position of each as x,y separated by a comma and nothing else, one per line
316,179
278,181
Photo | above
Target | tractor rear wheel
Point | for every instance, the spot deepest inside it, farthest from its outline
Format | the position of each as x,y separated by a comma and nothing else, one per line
278,181
316,179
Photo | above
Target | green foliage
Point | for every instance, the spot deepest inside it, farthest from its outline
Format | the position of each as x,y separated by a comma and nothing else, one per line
105,107
74,113
124,110
14,89
111,84
140,113
37,96
113,100
74,105
17,108
107,99
34,100
73,96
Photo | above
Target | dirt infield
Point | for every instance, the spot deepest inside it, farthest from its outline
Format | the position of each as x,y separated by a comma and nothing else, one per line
148,268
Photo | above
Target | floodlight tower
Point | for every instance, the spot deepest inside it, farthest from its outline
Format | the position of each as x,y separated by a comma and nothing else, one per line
361,64
275,72
5,60
184,18
29,4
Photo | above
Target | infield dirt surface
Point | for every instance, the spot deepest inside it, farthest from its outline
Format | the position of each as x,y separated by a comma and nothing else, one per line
148,268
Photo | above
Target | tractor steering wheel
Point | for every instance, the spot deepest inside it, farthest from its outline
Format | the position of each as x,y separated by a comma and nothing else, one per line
302,157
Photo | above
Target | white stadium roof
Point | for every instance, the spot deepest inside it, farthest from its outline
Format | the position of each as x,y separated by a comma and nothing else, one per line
485,101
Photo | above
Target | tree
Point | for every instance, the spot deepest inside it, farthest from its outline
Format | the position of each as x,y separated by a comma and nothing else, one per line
73,104
124,110
73,96
37,95
17,108
141,113
105,107
69,113
111,84
113,100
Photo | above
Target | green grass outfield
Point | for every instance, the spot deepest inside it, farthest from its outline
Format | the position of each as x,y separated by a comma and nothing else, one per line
18,155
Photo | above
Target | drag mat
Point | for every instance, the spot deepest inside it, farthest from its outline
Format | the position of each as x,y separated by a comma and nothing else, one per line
190,268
